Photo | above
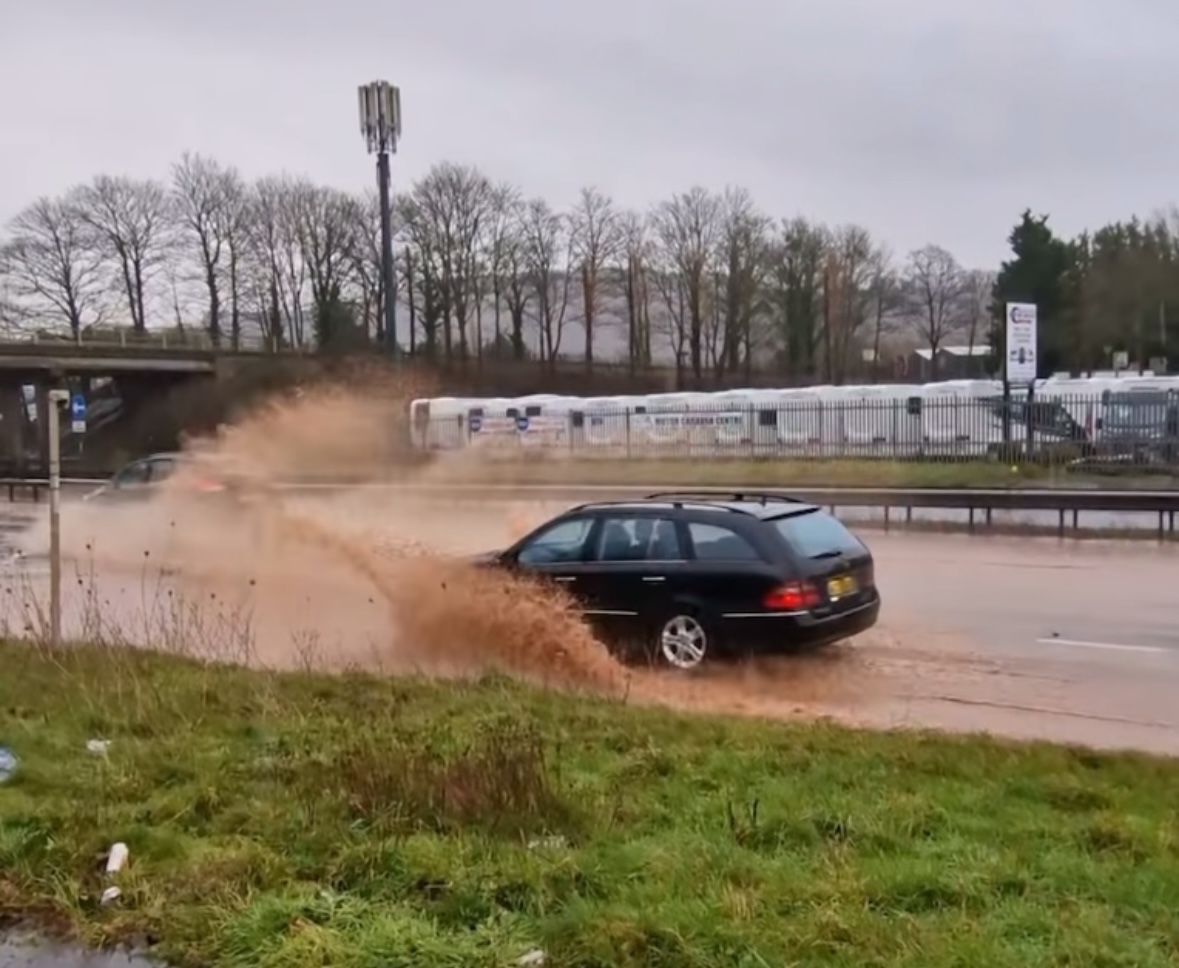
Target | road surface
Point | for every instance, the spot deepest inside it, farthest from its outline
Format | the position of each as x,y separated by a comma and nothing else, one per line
18,955
1076,641
1064,640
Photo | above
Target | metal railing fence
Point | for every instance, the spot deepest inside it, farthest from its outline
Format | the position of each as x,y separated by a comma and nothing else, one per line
1078,430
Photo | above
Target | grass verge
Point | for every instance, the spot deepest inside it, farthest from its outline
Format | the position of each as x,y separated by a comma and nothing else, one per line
303,820
787,473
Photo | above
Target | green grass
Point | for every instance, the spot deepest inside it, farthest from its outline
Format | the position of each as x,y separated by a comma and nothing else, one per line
350,821
793,473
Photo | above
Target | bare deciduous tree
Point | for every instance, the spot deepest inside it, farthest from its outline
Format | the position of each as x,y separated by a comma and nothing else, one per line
518,287
326,225
934,283
886,295
977,287
686,230
275,270
366,266
132,221
451,204
594,237
634,256
208,202
740,274
502,234
425,291
546,260
852,265
53,268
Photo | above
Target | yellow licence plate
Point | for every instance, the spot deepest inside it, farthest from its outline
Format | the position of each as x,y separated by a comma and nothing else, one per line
841,587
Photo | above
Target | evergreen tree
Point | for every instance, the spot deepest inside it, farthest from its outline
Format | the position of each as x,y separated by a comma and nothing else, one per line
1039,273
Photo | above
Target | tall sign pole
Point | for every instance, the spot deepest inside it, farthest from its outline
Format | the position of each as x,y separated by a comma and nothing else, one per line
380,124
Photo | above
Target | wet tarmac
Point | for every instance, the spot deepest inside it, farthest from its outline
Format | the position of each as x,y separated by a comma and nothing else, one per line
23,954
1071,640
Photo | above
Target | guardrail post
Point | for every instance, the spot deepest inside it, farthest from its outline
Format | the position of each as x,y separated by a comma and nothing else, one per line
970,520
1060,527
886,516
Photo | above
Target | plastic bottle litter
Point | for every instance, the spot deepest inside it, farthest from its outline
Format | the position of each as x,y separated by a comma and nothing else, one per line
8,764
111,894
117,858
99,747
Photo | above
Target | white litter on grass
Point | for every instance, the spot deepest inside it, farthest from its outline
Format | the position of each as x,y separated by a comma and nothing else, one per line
8,764
117,858
533,958
99,747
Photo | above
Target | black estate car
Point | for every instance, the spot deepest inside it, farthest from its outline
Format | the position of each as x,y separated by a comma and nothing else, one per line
679,577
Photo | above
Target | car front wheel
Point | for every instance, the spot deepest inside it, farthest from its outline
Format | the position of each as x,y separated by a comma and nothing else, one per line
682,641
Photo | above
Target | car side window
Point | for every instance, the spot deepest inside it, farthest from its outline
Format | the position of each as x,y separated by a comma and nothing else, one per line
132,474
638,539
715,543
563,542
162,468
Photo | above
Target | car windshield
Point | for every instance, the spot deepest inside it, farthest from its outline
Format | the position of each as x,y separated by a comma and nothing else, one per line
1124,410
816,534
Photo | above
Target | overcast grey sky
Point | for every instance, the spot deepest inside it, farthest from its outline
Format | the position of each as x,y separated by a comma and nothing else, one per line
923,120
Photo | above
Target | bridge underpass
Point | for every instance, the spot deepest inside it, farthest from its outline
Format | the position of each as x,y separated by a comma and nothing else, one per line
117,382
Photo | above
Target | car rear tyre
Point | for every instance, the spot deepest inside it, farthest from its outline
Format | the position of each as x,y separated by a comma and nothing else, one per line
682,641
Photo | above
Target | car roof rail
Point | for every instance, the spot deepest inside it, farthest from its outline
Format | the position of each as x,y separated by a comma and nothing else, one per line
762,497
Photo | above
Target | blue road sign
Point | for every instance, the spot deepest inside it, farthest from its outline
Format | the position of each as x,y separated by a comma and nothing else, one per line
78,406
522,424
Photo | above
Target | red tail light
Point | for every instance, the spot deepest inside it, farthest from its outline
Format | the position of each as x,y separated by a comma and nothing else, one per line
795,596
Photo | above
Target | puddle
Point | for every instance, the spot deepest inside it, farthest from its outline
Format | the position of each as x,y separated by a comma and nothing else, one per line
26,954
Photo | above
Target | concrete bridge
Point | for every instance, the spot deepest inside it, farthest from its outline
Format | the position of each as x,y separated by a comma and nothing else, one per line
138,368
123,352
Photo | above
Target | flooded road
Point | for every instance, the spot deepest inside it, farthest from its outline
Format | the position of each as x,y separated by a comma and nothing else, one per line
16,954
1067,640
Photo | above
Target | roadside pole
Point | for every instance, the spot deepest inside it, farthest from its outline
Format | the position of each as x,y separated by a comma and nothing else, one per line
53,428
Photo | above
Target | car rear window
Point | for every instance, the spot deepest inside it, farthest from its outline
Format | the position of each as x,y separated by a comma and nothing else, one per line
816,534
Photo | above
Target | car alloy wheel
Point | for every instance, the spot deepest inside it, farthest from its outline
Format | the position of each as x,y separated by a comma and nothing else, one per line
683,643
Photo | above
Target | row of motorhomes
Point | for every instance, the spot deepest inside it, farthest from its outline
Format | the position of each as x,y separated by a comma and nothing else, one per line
954,417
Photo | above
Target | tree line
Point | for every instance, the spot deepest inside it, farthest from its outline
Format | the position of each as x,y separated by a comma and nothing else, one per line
1106,292
704,280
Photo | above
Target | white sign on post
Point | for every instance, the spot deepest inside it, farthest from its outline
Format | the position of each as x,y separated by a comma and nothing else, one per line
1021,343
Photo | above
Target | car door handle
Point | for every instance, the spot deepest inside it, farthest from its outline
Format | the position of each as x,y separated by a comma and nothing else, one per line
654,578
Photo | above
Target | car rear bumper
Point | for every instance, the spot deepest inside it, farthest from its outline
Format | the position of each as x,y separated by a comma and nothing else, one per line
786,632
